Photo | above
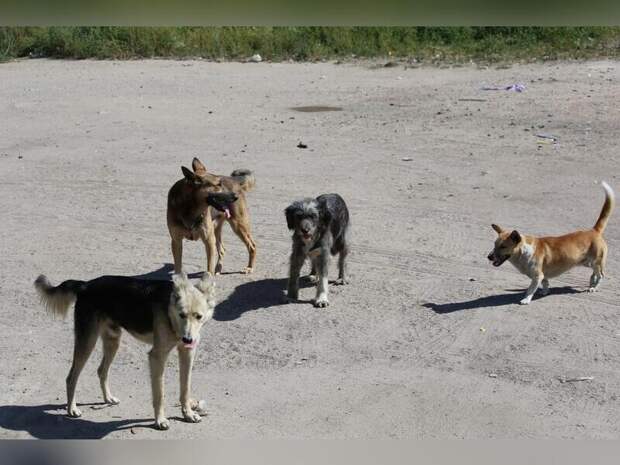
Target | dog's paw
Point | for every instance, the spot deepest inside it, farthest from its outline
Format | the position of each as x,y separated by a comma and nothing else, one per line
321,302
525,301
112,400
290,299
218,269
74,412
192,417
162,424
341,282
591,289
247,270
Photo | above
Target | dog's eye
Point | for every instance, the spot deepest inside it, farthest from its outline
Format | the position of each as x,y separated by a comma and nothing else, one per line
182,315
198,316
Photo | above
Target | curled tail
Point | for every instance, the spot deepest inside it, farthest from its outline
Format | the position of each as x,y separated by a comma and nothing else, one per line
608,206
57,300
246,179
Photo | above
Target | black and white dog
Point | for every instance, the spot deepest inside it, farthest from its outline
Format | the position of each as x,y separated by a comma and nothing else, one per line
320,230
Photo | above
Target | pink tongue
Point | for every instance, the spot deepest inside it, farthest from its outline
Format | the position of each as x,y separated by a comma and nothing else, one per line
191,345
227,213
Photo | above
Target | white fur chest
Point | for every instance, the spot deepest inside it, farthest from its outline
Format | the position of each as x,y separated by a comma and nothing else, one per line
525,262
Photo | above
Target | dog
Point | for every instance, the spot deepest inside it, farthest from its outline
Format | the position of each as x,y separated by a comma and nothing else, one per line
542,258
320,229
189,218
164,314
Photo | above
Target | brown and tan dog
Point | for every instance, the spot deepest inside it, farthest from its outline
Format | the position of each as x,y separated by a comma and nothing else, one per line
190,218
541,258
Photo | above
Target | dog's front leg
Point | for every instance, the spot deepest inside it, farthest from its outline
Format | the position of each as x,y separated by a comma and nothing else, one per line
186,360
297,261
321,263
529,293
157,362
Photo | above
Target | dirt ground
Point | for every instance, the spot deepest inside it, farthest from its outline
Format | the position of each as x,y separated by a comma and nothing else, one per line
427,341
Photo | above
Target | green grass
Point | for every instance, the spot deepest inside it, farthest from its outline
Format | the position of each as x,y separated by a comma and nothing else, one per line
426,44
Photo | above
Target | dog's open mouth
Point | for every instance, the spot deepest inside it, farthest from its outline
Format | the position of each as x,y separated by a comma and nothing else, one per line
227,213
499,260
189,345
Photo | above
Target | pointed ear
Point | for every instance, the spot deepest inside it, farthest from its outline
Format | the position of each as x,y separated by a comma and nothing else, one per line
180,282
189,176
198,167
497,228
207,287
515,236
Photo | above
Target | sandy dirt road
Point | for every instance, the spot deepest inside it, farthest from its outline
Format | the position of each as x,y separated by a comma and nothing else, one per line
426,342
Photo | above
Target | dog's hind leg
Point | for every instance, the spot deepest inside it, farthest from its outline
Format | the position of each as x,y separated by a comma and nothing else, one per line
598,269
111,338
595,279
186,360
342,266
312,276
86,335
177,254
243,230
221,250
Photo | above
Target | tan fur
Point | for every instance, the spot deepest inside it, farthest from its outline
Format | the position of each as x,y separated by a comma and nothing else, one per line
184,199
541,258
56,303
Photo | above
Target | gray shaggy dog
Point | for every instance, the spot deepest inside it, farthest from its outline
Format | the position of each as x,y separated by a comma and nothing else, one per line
320,228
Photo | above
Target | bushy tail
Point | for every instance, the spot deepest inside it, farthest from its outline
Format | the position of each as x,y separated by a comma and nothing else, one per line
608,206
245,178
57,300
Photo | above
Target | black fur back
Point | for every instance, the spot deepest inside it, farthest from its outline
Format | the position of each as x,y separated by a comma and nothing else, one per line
128,302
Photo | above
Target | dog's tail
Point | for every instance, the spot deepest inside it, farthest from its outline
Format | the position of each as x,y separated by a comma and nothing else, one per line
246,179
58,299
608,206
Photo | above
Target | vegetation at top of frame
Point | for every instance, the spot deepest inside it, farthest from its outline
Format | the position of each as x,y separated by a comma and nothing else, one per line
426,44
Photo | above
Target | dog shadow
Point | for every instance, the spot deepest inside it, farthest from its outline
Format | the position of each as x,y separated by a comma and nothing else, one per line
514,296
165,272
256,295
50,421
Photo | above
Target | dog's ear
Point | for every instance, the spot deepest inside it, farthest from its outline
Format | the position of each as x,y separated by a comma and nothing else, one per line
497,229
207,287
190,177
290,216
180,282
515,236
198,167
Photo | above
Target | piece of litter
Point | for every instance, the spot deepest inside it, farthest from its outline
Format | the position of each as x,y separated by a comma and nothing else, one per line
513,87
407,159
546,139
256,58
482,329
132,431
575,380
492,375
201,409
302,146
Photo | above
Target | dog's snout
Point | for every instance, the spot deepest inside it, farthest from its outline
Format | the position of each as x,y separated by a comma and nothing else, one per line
187,340
490,256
